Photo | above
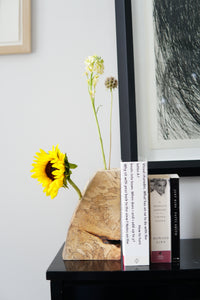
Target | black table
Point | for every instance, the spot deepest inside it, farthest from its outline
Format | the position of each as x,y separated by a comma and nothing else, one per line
106,280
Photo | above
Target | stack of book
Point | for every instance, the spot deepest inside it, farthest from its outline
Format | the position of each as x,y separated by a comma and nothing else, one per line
150,230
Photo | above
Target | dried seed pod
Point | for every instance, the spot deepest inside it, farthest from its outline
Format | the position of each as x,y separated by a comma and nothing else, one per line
111,83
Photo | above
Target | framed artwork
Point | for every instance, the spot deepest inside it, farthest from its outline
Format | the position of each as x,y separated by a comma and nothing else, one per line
159,83
15,26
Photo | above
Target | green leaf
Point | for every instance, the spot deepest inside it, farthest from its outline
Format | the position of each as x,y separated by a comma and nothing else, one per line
97,110
65,183
66,160
73,166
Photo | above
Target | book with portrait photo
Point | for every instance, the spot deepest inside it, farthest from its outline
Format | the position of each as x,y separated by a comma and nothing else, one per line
164,218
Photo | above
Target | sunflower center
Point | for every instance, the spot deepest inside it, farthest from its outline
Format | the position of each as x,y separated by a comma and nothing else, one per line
49,169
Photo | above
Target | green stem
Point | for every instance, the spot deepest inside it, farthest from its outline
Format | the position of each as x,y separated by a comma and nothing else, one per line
100,138
75,187
110,127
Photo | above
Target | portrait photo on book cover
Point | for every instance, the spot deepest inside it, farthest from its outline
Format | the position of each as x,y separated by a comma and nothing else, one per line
158,186
167,77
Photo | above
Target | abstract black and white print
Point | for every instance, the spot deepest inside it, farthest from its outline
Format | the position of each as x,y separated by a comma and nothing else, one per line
177,59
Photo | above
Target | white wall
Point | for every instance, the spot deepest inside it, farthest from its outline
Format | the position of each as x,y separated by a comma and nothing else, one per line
44,101
190,207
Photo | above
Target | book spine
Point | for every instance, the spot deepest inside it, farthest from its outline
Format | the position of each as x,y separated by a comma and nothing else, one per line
160,220
175,220
134,214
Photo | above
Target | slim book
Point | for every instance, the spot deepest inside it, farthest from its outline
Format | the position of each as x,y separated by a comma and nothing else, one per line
164,218
134,214
175,218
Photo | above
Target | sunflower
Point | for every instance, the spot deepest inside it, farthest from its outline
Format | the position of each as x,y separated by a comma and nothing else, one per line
53,171
49,169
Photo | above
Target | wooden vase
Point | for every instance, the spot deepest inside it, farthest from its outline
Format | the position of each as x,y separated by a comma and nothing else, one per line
94,233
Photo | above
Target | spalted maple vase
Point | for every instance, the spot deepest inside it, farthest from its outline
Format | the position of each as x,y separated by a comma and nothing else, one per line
94,233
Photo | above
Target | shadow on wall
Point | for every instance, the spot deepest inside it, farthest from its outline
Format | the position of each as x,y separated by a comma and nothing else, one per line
190,207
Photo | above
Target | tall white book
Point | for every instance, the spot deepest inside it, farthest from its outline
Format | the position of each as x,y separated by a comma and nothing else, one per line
134,214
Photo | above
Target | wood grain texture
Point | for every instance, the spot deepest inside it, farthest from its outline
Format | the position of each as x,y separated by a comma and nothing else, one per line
94,233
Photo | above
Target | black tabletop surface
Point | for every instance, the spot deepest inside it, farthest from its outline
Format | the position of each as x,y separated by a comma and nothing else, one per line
189,267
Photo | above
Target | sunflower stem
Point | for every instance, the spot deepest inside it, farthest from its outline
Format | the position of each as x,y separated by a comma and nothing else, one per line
75,187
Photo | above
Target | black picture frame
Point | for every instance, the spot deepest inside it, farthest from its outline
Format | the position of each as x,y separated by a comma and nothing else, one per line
127,100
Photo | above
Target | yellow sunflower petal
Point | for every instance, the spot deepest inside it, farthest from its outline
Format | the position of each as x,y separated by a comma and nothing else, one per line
49,169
